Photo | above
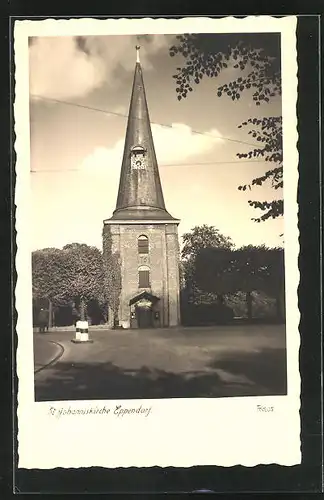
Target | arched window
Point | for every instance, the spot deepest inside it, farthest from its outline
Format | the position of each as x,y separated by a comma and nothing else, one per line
143,277
143,244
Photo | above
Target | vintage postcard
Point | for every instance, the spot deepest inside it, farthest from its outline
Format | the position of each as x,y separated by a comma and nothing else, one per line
157,242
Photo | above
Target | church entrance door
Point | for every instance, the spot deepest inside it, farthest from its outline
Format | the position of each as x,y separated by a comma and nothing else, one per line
143,311
144,317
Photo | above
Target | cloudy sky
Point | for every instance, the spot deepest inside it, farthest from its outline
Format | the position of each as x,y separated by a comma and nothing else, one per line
79,97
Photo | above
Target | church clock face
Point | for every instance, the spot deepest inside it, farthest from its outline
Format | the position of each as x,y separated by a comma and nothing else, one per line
138,160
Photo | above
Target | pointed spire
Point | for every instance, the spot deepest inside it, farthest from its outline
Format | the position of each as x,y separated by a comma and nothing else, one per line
140,193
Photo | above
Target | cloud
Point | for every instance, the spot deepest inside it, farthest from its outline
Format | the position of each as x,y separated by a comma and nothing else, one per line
68,67
59,69
174,144
121,110
179,142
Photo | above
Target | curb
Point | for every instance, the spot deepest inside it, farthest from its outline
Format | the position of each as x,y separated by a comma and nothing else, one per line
89,341
54,360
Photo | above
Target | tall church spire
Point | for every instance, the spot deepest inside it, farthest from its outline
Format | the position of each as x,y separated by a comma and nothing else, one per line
140,193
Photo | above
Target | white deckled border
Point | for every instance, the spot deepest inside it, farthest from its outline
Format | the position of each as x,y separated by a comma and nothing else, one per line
183,432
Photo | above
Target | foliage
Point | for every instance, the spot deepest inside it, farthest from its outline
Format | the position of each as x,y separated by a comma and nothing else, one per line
112,274
248,268
74,273
273,282
182,274
257,56
198,238
82,274
203,237
47,265
207,55
251,268
263,305
267,131
215,270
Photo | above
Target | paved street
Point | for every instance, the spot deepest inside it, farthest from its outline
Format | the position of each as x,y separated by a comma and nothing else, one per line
182,362
45,351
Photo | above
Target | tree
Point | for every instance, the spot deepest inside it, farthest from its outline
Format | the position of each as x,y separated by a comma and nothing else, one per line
47,273
249,263
70,276
47,265
203,237
257,55
215,273
198,238
262,269
247,269
82,275
273,282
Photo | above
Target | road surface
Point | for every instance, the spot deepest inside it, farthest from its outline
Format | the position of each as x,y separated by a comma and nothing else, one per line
46,351
163,363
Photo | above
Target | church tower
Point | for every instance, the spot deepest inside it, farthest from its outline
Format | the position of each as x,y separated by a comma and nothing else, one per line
140,240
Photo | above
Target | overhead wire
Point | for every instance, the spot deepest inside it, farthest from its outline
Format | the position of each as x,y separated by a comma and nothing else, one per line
160,165
124,115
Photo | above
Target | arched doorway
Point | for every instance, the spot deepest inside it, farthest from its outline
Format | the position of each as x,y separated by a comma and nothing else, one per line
143,311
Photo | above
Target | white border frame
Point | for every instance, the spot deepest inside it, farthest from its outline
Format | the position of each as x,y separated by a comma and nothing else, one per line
183,432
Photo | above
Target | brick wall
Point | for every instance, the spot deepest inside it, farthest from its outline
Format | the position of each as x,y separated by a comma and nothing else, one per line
163,261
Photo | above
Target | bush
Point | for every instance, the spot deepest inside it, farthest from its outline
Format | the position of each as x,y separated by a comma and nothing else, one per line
207,312
264,307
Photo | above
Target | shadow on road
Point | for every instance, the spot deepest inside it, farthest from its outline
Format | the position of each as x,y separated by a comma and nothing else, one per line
266,368
265,371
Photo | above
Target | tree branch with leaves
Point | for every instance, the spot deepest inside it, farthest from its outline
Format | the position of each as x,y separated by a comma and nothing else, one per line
257,57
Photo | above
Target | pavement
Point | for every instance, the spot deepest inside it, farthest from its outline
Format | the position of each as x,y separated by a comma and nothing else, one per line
219,361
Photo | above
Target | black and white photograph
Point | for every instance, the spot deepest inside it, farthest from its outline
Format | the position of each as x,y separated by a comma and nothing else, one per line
159,222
